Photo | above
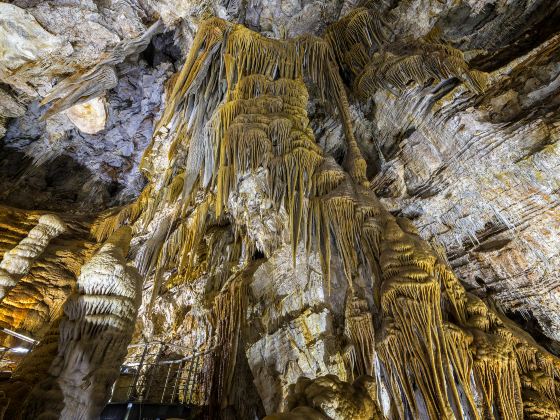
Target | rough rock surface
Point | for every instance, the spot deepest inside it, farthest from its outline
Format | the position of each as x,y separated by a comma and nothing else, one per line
475,171
89,117
329,397
96,328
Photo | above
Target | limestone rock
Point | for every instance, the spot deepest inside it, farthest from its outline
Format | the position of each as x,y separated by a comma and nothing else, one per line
18,261
22,39
257,227
89,117
329,397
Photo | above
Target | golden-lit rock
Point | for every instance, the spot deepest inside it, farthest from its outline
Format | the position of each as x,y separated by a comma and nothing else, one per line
89,117
264,247
328,397
50,249
18,261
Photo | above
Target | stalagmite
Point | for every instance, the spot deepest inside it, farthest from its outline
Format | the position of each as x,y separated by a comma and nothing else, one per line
18,261
98,325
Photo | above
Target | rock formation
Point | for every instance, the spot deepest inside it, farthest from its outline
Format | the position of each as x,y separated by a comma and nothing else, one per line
89,117
96,328
37,299
328,397
18,261
349,208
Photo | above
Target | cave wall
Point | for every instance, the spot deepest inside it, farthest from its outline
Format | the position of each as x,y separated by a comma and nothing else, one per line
474,171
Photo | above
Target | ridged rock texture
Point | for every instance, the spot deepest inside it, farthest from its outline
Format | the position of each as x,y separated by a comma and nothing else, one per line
34,306
350,207
95,330
18,261
36,300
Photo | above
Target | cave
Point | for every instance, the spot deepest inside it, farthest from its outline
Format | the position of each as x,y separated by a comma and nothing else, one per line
279,210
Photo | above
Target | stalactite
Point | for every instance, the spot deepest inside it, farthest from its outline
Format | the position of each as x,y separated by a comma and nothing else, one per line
359,329
457,343
228,313
94,334
260,121
361,44
18,261
354,37
239,107
107,223
411,300
496,371
390,70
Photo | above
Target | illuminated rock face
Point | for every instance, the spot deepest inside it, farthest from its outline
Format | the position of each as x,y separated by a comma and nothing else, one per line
34,306
329,397
22,38
97,328
369,295
18,261
260,236
94,334
89,117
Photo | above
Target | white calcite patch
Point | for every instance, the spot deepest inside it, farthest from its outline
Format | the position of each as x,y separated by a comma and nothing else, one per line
89,117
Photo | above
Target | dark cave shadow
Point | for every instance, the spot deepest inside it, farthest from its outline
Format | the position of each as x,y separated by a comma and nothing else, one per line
57,185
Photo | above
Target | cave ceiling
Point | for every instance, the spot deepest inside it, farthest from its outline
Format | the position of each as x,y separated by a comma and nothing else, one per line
354,201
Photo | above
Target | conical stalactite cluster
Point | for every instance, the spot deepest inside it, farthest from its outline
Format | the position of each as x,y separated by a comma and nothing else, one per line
473,340
410,301
418,62
356,36
362,43
239,107
360,332
228,316
270,103
94,334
